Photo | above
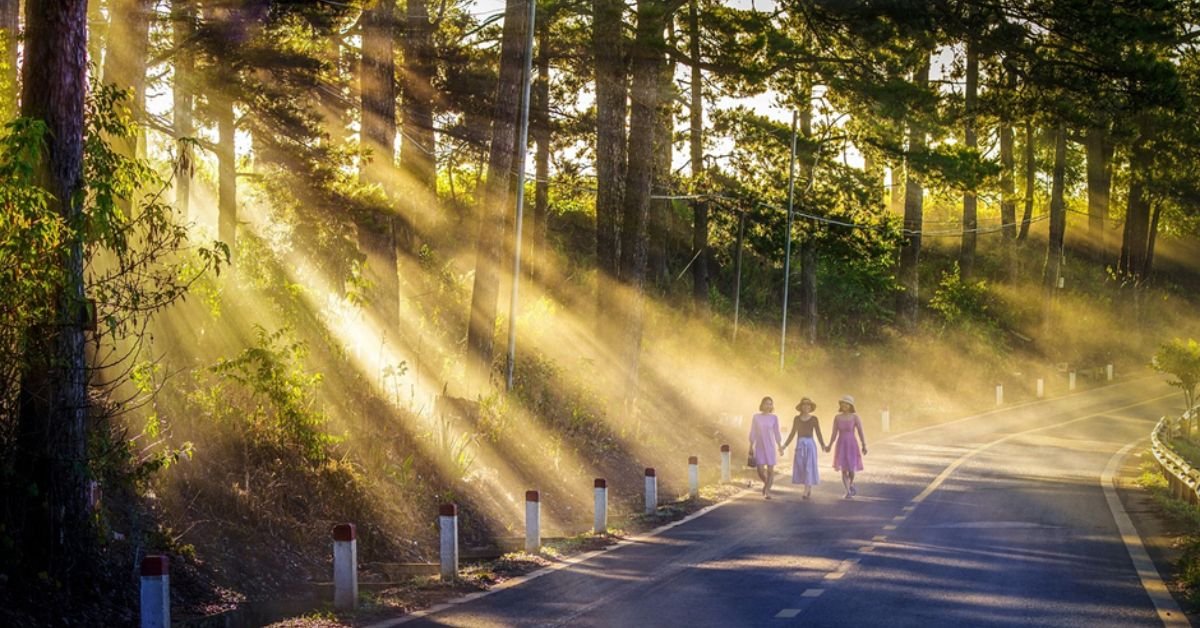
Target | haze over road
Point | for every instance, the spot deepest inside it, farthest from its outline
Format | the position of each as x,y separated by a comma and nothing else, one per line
996,520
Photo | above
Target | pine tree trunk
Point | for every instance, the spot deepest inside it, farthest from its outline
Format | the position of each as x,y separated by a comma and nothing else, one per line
539,255
182,90
417,148
660,209
1137,214
496,197
647,61
1008,190
696,153
377,232
1099,184
1030,174
607,43
52,434
226,168
910,252
1058,215
10,30
966,257
125,66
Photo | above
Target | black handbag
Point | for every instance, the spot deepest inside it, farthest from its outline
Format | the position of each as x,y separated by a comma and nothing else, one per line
751,459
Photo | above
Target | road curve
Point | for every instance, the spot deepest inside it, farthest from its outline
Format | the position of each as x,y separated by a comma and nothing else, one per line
995,520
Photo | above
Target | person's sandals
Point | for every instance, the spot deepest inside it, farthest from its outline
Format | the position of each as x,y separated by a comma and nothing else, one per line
853,491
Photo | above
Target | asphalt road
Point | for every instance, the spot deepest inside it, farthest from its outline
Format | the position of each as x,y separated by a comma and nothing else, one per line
996,520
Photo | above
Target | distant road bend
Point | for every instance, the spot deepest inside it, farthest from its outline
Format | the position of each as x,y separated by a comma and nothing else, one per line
995,520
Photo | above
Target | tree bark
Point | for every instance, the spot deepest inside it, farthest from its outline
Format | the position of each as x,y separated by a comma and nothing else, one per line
1137,213
496,197
1058,215
183,90
1030,174
53,404
647,60
608,47
1008,190
1099,185
966,257
417,149
377,231
125,66
660,209
910,252
539,256
10,30
227,217
696,154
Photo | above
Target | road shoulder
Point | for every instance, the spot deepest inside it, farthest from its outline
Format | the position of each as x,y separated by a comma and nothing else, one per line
1161,534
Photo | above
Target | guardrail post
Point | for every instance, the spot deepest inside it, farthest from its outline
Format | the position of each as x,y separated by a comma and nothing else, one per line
725,464
156,592
651,491
448,524
1071,380
533,522
999,394
345,567
1041,388
693,477
600,525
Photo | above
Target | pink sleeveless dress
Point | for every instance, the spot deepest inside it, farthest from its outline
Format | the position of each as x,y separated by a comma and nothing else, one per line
847,454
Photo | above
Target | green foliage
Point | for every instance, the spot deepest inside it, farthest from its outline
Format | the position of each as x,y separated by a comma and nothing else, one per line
957,301
1180,358
265,397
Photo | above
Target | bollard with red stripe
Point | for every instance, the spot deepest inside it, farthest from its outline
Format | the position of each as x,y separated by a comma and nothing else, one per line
693,477
725,464
601,523
533,522
651,491
448,524
156,592
345,567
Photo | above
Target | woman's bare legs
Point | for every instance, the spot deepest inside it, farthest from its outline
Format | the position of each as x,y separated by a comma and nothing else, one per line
769,481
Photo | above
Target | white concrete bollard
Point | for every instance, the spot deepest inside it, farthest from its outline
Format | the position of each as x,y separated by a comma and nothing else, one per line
448,524
886,419
156,592
533,522
999,394
345,567
725,464
1041,388
1071,380
651,491
693,477
600,525
1109,371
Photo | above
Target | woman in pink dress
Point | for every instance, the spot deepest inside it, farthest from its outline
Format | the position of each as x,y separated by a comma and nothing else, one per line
764,441
845,456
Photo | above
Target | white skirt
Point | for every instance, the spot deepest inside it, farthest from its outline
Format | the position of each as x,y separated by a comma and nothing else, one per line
804,467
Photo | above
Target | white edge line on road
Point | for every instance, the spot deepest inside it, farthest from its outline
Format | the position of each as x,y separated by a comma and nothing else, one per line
1015,406
1168,610
574,560
953,466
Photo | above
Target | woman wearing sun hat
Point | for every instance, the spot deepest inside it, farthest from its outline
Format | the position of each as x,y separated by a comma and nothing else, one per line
845,446
764,440
804,465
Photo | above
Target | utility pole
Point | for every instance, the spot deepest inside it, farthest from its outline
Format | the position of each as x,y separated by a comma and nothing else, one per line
522,148
737,284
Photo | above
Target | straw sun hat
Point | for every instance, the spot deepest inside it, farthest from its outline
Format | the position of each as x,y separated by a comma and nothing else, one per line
809,402
847,399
